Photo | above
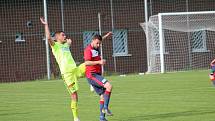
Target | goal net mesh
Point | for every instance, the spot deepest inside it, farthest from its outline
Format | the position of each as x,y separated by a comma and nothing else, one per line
187,39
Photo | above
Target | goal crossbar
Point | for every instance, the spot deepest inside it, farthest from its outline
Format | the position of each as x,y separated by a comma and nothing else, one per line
187,13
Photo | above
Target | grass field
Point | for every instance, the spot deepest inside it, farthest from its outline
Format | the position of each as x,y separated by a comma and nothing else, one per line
181,96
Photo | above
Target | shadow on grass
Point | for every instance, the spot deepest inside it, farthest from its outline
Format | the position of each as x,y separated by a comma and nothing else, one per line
168,115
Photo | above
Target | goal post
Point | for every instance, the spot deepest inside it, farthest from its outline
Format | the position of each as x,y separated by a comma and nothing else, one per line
161,42
180,40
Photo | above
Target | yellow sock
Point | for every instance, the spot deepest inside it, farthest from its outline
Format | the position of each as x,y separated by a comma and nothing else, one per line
74,107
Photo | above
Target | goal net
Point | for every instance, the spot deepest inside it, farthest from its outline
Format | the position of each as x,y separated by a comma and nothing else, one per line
180,41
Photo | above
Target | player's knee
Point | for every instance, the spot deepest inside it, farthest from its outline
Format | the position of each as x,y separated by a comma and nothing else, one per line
74,96
101,98
108,86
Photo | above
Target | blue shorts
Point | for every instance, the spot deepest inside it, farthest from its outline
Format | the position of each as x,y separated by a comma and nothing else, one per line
97,81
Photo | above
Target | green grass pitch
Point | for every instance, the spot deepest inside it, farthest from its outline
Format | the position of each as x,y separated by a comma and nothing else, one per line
181,96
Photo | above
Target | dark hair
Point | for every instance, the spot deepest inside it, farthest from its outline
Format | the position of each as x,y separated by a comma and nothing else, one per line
99,37
58,32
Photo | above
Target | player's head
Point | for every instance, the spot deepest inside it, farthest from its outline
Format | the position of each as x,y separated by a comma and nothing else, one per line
96,41
60,36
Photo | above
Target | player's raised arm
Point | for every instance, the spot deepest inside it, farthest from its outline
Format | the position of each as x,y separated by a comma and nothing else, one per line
107,35
212,62
47,32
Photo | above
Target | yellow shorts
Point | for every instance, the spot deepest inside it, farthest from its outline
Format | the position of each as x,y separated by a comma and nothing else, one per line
71,79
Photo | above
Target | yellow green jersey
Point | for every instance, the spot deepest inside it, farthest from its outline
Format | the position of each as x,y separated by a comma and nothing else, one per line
63,57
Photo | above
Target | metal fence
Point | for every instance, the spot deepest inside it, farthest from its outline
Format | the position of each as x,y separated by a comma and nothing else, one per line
25,56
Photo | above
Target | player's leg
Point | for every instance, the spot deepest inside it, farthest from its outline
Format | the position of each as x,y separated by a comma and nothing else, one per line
99,90
91,88
74,106
80,70
107,95
72,86
108,88
101,105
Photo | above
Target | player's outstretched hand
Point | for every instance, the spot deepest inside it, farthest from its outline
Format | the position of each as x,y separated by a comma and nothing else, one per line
107,35
212,62
69,41
102,61
43,21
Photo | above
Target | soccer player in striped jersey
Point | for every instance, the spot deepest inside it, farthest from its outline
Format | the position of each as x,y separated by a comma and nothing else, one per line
69,71
94,76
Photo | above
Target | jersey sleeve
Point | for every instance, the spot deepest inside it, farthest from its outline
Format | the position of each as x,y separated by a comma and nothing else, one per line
87,54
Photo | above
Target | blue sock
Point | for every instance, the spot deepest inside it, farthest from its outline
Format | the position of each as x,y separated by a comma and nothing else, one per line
106,99
101,103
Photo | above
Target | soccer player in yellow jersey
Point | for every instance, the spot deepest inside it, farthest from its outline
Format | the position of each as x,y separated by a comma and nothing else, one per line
69,71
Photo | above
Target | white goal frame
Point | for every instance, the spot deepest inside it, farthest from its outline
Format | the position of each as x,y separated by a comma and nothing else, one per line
161,33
